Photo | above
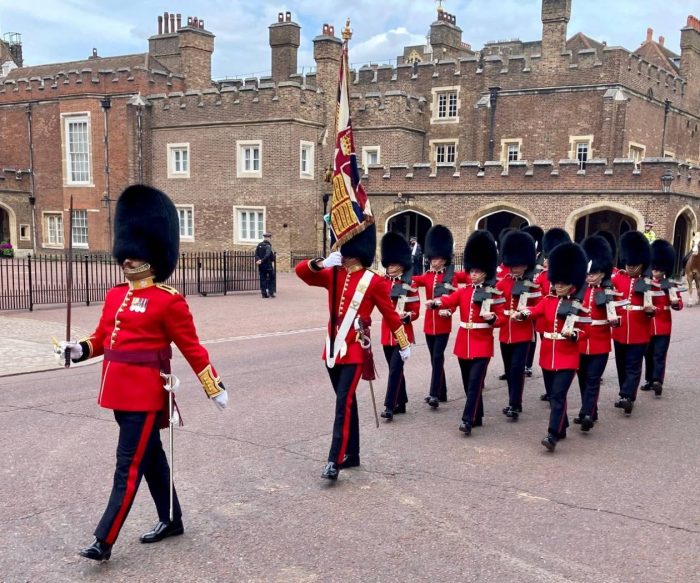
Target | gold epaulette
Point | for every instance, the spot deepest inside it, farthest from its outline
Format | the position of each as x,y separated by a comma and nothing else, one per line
210,383
401,338
167,288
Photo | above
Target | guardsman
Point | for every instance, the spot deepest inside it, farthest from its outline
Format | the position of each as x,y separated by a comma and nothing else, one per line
553,237
140,319
564,323
599,299
610,238
632,336
663,261
397,260
438,281
353,292
519,291
481,310
502,270
537,233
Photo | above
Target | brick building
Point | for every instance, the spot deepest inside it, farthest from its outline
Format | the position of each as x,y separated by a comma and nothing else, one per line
559,131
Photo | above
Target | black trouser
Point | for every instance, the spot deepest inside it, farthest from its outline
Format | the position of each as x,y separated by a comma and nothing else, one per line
514,357
139,453
268,281
436,346
531,353
473,373
590,371
557,383
396,383
346,427
655,358
628,361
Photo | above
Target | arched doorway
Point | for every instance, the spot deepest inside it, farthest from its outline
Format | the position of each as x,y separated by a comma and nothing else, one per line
5,233
682,234
613,222
496,222
409,224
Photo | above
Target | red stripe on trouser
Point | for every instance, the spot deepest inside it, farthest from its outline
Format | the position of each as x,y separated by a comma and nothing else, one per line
348,414
563,416
132,478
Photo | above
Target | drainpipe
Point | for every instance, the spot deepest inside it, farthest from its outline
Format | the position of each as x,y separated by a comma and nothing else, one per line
32,194
667,109
493,101
139,137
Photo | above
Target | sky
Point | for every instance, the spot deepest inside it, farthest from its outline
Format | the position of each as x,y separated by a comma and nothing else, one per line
56,31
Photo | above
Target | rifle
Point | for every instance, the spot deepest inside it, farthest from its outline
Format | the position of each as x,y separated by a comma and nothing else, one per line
69,279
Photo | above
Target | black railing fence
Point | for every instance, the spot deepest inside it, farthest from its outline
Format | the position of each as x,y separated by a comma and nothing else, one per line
30,281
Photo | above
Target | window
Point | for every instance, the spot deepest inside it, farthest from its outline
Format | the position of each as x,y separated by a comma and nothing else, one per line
306,160
24,233
371,155
250,225
445,104
186,215
510,151
178,160
80,229
53,229
444,153
581,150
582,154
249,159
637,153
76,133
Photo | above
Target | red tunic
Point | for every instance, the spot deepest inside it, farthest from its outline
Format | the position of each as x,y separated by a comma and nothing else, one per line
142,320
661,323
501,272
514,331
635,323
545,286
472,342
598,339
556,353
377,294
433,323
461,277
411,307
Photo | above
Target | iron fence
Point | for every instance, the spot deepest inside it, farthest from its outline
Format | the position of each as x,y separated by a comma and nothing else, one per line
30,281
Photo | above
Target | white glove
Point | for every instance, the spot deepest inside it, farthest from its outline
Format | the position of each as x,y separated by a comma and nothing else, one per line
74,350
221,400
335,259
445,313
170,382
405,353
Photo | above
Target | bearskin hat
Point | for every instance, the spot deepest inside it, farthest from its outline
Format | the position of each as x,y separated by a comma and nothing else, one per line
362,246
599,254
480,253
568,264
439,243
635,249
518,248
553,237
663,256
536,232
610,238
147,227
395,249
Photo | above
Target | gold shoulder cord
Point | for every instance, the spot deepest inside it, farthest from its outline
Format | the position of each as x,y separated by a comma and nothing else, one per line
210,383
167,288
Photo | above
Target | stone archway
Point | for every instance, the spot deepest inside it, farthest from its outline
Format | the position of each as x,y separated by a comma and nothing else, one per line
685,225
410,223
612,217
498,216
8,225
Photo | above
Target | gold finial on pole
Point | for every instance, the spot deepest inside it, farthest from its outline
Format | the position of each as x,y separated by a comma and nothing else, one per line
439,3
347,31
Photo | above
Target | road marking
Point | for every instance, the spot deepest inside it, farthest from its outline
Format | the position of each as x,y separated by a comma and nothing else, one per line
263,335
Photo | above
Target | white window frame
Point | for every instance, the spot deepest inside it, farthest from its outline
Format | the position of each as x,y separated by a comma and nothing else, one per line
190,208
506,144
25,227
434,147
80,244
173,149
66,120
436,106
366,152
241,147
574,142
310,149
46,218
641,149
238,237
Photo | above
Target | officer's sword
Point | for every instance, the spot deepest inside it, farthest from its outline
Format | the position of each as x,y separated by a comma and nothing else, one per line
171,383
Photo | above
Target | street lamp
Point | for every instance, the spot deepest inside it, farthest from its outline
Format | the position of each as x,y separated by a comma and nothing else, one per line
666,181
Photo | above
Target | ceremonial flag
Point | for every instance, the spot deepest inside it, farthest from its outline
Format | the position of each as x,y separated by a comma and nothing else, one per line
350,209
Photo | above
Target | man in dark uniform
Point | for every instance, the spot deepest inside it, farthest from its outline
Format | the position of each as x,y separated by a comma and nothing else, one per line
354,291
265,260
416,256
140,319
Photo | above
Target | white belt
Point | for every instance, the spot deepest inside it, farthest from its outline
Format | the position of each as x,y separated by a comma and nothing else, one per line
667,307
599,322
474,325
554,336
631,308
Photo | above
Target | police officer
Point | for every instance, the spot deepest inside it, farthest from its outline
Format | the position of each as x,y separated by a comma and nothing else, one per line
265,260
140,319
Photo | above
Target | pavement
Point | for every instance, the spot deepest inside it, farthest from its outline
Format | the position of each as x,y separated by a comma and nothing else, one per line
617,505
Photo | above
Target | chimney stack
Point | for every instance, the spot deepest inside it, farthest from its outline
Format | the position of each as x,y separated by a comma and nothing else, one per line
285,38
662,40
160,25
650,35
179,21
690,59
555,19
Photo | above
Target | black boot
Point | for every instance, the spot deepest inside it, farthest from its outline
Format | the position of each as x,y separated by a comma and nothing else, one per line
465,428
658,388
646,386
330,472
586,423
433,402
544,397
626,404
550,442
349,461
503,377
163,530
400,409
97,551
528,371
387,414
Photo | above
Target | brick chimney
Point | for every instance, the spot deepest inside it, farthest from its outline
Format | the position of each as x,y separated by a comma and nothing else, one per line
284,42
446,37
555,18
690,58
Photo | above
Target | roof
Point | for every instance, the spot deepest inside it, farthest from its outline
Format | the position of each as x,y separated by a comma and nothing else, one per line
96,64
586,41
659,55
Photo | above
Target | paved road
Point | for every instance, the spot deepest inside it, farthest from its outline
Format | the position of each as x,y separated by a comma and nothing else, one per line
619,505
